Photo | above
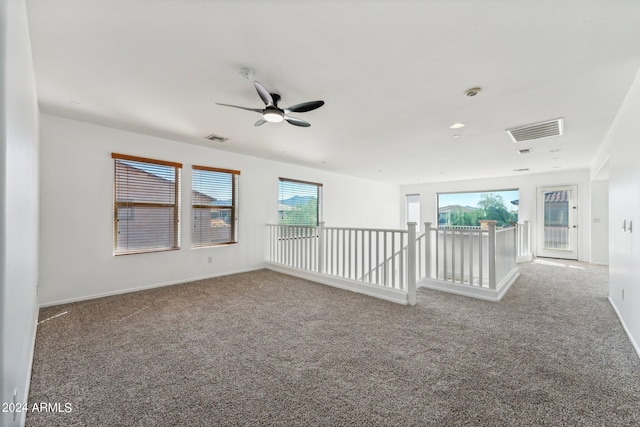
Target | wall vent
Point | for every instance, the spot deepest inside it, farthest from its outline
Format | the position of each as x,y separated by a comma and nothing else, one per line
525,151
218,138
537,130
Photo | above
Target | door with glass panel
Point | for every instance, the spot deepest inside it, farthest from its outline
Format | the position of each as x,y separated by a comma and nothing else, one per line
557,222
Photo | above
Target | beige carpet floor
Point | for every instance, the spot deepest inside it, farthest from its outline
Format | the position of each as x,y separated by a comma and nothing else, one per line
262,348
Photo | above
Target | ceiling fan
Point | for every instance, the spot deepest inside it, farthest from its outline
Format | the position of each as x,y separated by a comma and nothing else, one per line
274,114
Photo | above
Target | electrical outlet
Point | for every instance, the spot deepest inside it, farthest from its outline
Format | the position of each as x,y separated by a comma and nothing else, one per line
209,260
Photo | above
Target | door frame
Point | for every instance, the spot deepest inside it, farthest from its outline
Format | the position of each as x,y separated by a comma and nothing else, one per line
573,219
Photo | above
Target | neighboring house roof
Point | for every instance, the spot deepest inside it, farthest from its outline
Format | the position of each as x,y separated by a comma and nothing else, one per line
201,198
556,197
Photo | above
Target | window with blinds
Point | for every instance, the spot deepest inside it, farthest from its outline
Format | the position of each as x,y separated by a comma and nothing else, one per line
299,202
146,205
214,195
413,209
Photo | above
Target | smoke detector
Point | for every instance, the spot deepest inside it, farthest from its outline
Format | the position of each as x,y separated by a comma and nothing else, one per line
472,92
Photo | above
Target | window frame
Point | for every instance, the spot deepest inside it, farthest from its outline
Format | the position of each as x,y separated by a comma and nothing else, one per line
235,189
444,193
413,198
319,196
131,204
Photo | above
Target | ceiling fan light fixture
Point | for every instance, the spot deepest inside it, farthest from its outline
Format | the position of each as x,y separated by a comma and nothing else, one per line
273,116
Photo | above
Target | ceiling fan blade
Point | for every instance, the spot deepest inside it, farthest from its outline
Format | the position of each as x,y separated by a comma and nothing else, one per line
264,93
304,107
260,122
297,122
257,110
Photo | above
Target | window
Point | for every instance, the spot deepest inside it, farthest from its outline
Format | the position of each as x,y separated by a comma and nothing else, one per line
413,209
299,202
467,209
214,200
146,205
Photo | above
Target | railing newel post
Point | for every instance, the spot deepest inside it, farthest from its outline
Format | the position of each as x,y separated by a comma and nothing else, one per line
411,263
427,249
492,253
321,247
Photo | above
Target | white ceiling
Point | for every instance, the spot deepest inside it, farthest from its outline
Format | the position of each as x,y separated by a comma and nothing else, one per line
392,74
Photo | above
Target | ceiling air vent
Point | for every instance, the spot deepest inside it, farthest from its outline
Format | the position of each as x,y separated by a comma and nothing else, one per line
218,138
537,130
525,151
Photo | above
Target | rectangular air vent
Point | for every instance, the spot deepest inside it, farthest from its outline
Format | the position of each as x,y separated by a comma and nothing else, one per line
525,151
218,138
537,130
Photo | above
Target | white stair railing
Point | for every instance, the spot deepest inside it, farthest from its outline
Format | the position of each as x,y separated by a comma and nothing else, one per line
382,258
397,260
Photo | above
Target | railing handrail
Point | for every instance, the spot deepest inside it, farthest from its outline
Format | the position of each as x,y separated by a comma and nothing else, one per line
383,230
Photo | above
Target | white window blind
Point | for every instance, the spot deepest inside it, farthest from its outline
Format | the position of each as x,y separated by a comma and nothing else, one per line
299,202
214,195
413,209
146,205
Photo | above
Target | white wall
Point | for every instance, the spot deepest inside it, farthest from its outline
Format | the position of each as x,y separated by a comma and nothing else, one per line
77,211
600,222
527,184
18,207
622,146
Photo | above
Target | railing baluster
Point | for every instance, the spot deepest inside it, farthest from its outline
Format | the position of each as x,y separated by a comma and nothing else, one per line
384,261
362,267
401,278
453,256
437,233
378,258
480,237
393,260
444,253
471,234
462,234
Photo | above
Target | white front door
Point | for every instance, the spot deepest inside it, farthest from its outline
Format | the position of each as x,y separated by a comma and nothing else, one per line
557,222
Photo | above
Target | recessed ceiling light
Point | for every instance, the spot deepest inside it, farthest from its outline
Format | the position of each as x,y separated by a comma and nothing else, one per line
555,150
457,126
246,73
555,158
472,92
457,135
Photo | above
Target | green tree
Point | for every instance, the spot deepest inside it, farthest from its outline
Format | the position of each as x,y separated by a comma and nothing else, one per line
494,207
301,214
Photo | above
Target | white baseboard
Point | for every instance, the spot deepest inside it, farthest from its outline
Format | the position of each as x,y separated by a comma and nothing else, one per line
487,294
143,288
524,258
634,344
392,295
